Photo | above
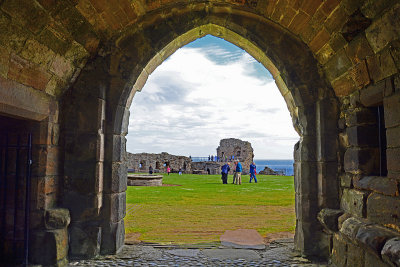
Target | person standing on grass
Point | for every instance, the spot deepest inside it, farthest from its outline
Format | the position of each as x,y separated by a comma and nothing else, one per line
150,170
238,173
253,172
224,172
180,171
168,170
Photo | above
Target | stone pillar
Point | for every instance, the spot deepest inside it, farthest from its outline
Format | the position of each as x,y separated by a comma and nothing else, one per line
84,110
306,184
115,181
327,149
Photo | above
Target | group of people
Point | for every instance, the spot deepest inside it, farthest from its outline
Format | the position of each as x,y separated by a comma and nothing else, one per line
221,159
168,170
237,174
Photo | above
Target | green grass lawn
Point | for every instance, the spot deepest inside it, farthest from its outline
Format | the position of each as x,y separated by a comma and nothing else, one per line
202,208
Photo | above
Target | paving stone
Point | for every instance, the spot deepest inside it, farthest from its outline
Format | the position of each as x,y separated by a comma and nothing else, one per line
242,238
231,254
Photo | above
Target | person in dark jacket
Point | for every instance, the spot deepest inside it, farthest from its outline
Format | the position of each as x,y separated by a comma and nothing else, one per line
224,172
150,170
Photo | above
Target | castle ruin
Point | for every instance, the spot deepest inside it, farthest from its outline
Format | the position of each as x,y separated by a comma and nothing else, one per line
70,69
159,162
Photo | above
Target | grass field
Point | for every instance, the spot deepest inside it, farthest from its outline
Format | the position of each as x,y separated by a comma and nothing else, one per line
202,208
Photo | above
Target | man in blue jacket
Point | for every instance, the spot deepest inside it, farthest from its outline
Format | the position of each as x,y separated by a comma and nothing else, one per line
224,171
237,176
253,172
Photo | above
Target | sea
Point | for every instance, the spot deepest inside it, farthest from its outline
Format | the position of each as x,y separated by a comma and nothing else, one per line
285,166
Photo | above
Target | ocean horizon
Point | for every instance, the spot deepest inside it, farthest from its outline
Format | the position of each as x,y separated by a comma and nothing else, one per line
281,165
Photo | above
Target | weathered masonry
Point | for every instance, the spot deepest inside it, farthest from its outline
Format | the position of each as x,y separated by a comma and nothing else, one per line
69,70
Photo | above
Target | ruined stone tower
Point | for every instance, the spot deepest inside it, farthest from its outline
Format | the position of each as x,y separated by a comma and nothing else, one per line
232,148
70,69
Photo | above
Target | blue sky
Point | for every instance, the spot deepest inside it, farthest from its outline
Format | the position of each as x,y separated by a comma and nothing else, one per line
206,91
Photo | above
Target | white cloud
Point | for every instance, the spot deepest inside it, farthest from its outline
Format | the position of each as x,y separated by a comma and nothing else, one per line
192,101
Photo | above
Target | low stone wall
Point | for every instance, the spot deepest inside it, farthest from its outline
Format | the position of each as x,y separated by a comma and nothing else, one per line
144,180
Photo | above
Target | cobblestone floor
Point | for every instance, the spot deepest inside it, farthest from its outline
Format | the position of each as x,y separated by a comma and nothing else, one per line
278,253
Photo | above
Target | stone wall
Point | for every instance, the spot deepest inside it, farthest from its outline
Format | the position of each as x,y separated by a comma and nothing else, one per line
141,162
72,67
214,167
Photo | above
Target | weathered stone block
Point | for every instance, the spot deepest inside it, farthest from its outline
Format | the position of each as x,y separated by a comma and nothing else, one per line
118,177
373,238
373,95
337,65
82,146
381,66
119,148
392,137
364,161
391,251
27,73
82,207
344,85
62,67
393,159
30,14
325,53
395,52
329,218
57,218
343,140
384,210
355,255
48,247
342,219
336,20
359,49
306,150
389,86
307,119
392,110
46,160
122,120
363,136
353,202
385,29
359,117
350,227
339,251
114,206
85,241
327,146
306,208
113,236
378,184
346,180
37,53
359,74
355,24
371,260
307,235
328,185
319,40
307,172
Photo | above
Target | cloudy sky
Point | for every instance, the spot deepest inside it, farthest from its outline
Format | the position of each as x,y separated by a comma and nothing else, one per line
207,91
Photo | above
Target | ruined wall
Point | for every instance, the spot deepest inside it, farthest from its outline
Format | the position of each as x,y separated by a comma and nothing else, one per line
159,162
344,62
214,167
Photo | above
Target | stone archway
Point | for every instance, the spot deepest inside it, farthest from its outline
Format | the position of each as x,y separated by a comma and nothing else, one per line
98,225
